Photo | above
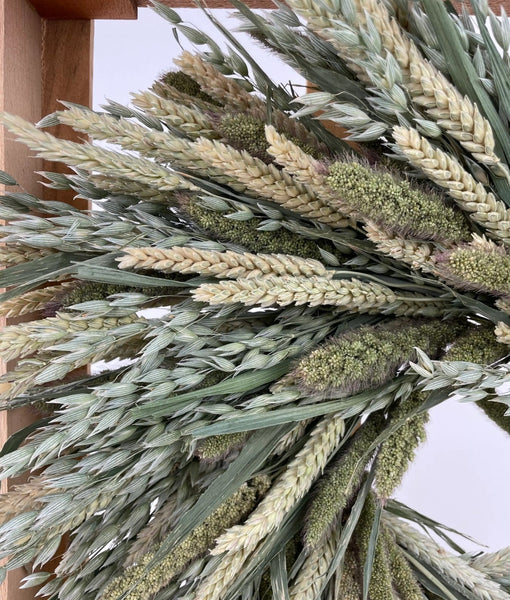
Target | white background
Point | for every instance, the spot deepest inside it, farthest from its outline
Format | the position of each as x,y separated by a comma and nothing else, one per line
461,475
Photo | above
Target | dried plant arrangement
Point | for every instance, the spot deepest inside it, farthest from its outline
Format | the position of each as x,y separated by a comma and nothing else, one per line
274,308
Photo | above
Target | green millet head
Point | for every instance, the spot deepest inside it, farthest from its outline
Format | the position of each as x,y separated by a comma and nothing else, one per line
244,132
245,234
401,573
369,356
380,587
479,345
334,490
349,586
397,452
395,205
473,269
217,447
185,84
232,511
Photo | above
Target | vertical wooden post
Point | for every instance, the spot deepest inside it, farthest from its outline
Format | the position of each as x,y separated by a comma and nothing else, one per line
20,93
41,61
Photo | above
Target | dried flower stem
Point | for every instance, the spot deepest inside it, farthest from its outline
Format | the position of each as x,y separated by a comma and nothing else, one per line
494,564
23,498
429,88
17,254
502,332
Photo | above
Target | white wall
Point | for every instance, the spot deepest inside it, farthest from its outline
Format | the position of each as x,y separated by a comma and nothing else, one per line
461,475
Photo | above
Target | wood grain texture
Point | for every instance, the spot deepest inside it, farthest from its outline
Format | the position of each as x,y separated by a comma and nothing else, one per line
211,3
86,9
20,93
67,57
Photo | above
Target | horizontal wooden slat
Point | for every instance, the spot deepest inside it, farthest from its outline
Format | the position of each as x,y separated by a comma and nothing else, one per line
86,9
212,3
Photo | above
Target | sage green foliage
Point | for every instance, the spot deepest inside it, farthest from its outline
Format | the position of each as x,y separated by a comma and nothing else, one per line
369,356
246,234
396,205
336,487
479,345
397,452
402,575
145,584
217,447
380,587
474,269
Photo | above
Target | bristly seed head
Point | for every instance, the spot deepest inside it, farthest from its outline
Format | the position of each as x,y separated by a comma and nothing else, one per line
395,204
367,357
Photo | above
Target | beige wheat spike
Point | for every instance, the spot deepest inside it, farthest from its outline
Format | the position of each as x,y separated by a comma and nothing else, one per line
93,158
131,136
352,295
493,564
191,121
215,586
164,146
502,332
420,255
267,181
23,498
36,300
295,482
304,168
453,567
26,338
215,84
17,254
227,264
289,439
313,573
446,171
429,88
503,304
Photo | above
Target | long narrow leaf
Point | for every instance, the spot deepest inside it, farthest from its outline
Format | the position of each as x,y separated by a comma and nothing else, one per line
372,545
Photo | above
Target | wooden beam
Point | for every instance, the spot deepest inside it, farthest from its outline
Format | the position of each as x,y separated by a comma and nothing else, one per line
212,3
67,59
20,93
41,61
86,9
